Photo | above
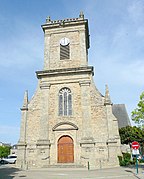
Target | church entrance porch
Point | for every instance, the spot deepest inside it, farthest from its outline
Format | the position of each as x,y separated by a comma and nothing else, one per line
65,150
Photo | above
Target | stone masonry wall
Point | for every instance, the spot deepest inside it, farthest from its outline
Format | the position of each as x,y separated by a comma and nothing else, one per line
92,126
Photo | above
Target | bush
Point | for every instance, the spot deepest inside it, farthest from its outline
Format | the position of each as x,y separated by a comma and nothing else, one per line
125,160
127,156
124,163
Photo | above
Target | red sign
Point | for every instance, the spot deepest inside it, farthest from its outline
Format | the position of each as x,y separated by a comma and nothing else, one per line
135,145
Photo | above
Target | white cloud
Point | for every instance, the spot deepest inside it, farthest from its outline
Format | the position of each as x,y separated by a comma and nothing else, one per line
136,17
134,72
120,35
136,11
131,30
140,31
22,47
131,73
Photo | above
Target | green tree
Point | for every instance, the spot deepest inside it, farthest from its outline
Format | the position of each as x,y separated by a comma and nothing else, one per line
129,134
138,113
4,151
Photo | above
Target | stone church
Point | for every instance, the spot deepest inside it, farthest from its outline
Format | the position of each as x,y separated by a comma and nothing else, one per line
67,121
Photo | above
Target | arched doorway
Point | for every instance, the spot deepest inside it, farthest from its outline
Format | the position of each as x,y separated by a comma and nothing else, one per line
65,150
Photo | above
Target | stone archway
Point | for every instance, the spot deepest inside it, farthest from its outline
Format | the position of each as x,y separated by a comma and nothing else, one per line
65,150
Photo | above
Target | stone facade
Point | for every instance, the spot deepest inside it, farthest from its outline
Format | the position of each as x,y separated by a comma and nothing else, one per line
83,117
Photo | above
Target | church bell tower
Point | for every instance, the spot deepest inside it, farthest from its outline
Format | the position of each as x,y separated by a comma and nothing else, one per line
66,43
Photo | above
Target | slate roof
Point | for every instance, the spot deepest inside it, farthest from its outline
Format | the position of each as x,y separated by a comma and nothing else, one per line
120,112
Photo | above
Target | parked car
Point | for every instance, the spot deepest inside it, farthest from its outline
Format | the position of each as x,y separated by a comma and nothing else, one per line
10,159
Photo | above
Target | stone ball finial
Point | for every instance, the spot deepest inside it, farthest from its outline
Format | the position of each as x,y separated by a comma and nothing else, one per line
48,19
81,15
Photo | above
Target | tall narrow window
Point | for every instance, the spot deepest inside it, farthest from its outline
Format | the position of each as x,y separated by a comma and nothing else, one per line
60,104
64,48
69,104
64,52
65,102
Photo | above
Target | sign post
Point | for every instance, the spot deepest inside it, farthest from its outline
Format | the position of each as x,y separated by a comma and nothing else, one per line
135,151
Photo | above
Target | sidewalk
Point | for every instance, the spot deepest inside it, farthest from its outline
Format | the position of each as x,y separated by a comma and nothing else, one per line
11,172
140,174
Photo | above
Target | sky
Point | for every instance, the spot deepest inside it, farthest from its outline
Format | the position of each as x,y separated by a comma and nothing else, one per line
116,51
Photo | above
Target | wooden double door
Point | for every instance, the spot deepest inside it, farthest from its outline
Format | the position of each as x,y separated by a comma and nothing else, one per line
65,150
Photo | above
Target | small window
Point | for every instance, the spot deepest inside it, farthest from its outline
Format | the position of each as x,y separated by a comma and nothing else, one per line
65,102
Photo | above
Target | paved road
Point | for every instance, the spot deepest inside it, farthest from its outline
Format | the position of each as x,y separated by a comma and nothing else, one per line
11,172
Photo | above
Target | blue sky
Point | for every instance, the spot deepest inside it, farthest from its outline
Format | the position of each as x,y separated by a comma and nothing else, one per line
116,51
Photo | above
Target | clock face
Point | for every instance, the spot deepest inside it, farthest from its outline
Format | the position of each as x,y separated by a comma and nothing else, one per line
64,41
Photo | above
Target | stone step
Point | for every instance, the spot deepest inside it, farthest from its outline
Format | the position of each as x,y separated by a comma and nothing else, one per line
64,166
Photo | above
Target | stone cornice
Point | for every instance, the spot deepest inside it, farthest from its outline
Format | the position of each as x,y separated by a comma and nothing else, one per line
64,22
43,143
85,83
21,144
44,85
111,141
24,108
65,71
